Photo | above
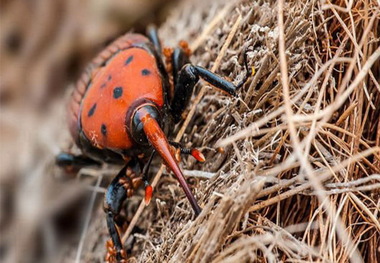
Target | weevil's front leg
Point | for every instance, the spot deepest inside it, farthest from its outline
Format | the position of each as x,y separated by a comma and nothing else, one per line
189,75
123,185
189,151
152,34
184,86
73,163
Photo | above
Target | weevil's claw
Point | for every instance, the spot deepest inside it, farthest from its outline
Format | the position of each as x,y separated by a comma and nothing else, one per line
220,150
194,152
148,194
253,71
113,256
177,155
198,155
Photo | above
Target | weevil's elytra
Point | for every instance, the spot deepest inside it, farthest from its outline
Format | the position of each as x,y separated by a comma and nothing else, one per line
123,111
113,102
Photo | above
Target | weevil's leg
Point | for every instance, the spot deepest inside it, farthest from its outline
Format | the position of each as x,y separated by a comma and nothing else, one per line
179,59
122,186
189,75
182,93
152,34
73,163
184,86
145,179
191,151
218,81
147,166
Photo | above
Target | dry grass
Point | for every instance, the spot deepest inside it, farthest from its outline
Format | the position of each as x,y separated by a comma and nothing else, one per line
299,177
299,142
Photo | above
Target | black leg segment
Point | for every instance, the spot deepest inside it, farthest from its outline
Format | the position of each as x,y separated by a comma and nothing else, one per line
152,34
122,186
216,80
145,172
188,76
74,163
189,151
179,146
186,80
179,59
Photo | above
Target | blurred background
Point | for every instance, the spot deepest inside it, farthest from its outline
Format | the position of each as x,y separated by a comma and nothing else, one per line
44,47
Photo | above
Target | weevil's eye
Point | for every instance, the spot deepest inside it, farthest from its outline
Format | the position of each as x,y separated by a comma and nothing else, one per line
137,129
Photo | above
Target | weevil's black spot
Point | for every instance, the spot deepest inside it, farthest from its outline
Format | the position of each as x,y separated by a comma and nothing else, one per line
109,77
145,72
103,129
103,85
92,110
129,60
117,92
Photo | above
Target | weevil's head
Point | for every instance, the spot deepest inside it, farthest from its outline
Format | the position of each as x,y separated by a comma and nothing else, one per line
145,129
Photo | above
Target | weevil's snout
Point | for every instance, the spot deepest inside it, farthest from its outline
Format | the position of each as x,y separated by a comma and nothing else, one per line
147,121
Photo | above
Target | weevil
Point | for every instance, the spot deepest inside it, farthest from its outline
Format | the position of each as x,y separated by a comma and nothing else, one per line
123,110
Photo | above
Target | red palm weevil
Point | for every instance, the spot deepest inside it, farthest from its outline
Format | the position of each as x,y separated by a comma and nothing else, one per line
122,110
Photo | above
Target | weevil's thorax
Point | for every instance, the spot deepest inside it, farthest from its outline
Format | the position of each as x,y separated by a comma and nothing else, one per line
129,78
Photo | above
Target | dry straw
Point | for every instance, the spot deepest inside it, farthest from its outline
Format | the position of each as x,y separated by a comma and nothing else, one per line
307,140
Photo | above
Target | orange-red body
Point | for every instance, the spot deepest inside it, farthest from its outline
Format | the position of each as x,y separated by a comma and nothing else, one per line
125,74
115,87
